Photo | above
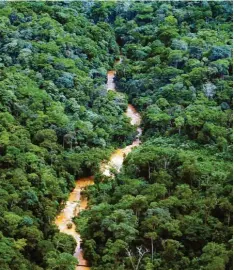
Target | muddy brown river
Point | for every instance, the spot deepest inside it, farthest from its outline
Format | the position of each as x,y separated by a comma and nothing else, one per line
76,203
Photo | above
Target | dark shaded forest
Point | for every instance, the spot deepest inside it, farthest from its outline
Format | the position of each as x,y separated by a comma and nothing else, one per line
170,207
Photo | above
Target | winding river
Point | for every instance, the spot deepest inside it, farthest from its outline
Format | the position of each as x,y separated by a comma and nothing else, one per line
76,202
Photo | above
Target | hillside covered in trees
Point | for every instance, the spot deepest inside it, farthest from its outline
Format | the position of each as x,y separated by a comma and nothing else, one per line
170,207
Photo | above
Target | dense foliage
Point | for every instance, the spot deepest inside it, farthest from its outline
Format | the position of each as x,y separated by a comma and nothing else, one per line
171,206
57,122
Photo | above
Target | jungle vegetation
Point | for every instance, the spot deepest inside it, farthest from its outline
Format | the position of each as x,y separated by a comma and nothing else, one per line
170,207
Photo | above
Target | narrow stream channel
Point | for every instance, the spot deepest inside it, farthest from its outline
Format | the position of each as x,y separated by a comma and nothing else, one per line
76,203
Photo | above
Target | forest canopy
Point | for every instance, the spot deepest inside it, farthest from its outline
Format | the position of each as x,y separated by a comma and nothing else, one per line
170,207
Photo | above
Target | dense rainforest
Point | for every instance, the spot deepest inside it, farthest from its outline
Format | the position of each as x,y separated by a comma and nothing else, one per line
170,207
57,122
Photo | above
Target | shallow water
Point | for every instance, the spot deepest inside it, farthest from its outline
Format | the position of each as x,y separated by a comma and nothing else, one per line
74,205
